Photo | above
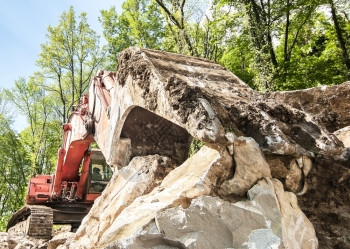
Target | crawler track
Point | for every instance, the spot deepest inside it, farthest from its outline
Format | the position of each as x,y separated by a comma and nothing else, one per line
36,221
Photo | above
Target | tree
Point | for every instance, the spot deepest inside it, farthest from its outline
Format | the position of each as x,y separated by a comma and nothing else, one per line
177,24
274,22
14,168
210,29
69,59
340,24
139,24
42,137
316,56
291,42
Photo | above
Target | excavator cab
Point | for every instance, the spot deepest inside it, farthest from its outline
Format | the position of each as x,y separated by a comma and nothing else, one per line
100,173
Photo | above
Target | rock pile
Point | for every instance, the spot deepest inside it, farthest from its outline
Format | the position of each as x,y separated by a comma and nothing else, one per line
185,210
18,240
264,155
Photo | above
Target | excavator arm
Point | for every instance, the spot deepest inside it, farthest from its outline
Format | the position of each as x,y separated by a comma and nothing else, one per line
66,196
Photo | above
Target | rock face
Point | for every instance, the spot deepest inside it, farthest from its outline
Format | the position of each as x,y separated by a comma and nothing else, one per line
238,190
328,105
326,199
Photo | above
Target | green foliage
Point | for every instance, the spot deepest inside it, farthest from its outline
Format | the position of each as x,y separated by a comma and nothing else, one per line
196,145
140,24
271,45
68,59
41,138
14,168
292,44
238,56
315,59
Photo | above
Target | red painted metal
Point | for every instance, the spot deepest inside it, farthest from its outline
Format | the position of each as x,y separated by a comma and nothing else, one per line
91,197
39,189
58,176
68,183
84,175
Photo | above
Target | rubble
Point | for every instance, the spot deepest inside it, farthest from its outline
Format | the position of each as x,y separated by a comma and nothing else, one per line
19,240
59,240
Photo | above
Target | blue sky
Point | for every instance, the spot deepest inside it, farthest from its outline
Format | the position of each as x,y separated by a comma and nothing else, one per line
23,26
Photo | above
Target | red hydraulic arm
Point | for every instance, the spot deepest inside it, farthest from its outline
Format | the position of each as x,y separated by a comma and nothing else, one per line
72,169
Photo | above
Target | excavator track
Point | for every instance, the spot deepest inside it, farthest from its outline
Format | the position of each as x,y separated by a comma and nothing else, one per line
35,221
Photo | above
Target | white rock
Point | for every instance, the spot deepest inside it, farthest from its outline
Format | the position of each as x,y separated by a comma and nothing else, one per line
138,178
3,240
196,177
250,167
260,222
59,239
344,135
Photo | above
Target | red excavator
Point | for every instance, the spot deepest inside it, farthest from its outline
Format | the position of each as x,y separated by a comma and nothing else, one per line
81,174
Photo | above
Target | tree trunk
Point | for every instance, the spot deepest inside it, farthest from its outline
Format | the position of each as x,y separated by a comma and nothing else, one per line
286,57
338,30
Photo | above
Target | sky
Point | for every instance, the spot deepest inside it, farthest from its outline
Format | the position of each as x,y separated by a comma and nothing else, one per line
23,27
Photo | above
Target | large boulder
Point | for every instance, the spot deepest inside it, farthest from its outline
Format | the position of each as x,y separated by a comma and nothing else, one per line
197,176
125,206
159,102
160,99
137,179
250,166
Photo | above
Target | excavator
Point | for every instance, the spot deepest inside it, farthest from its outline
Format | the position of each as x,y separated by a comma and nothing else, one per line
82,172
80,177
